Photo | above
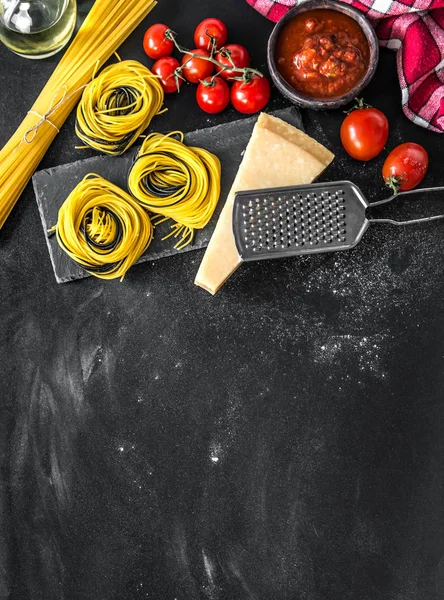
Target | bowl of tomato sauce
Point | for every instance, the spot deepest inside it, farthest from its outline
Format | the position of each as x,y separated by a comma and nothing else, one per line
322,54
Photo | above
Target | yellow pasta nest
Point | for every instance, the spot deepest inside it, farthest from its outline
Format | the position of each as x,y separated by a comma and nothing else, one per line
102,228
177,182
117,106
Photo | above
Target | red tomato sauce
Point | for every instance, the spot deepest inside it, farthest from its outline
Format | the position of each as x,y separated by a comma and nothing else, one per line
322,53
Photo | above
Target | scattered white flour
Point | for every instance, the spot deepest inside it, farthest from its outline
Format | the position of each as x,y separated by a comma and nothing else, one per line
367,351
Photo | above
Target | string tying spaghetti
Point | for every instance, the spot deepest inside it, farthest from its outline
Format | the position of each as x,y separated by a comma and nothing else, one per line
45,118
42,119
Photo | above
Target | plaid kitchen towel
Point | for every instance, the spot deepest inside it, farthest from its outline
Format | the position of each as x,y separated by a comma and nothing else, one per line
415,29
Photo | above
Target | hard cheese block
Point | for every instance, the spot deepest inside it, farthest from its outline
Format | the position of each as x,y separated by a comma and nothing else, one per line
277,155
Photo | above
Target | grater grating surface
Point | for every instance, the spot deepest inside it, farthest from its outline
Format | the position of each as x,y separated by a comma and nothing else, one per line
306,219
303,220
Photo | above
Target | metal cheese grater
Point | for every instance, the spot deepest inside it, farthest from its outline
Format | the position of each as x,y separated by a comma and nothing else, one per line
306,219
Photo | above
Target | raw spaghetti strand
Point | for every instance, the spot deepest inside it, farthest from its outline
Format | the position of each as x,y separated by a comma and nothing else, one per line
106,26
102,228
117,106
176,181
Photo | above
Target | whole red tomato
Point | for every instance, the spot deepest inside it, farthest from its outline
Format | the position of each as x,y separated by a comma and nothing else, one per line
232,54
208,29
251,97
405,167
364,133
196,69
165,68
155,44
213,95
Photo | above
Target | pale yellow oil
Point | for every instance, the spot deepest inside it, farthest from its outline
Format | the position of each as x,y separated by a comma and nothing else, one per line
43,43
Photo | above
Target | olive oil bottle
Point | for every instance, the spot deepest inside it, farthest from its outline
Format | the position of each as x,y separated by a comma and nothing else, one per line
37,28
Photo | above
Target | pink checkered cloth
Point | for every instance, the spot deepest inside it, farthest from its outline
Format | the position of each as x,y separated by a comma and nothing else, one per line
415,29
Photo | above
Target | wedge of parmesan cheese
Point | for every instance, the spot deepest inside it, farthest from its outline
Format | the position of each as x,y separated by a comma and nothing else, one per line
277,155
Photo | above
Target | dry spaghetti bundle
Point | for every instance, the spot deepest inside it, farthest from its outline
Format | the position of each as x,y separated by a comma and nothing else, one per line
102,228
107,25
117,106
176,181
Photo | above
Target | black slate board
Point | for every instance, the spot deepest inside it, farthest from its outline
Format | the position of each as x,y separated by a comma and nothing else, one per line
52,187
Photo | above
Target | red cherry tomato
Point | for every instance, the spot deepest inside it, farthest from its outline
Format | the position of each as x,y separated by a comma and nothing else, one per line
196,69
210,28
364,133
165,68
213,95
229,55
154,42
405,167
251,97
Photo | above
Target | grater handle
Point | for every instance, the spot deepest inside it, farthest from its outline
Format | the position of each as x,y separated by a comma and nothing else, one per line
408,193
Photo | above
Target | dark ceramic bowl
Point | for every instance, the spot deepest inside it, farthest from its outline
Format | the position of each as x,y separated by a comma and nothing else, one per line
307,101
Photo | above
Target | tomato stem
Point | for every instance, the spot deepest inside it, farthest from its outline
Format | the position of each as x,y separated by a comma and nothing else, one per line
210,82
213,41
178,75
394,183
360,104
227,54
245,73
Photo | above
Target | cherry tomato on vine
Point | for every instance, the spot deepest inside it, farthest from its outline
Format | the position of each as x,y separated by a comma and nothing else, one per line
229,55
210,28
250,97
213,95
196,69
364,132
405,167
165,68
154,42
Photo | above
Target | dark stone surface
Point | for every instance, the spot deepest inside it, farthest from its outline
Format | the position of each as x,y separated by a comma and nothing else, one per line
282,440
